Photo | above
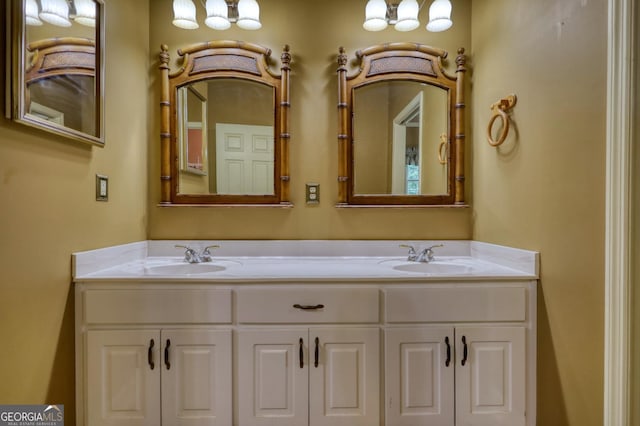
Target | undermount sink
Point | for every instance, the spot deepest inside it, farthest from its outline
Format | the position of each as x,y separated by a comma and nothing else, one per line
434,268
183,269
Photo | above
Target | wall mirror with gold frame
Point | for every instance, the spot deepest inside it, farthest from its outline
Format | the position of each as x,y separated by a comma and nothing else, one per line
225,126
56,66
401,118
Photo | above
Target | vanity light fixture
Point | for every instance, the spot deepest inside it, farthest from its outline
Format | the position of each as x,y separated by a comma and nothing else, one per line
60,12
220,14
404,15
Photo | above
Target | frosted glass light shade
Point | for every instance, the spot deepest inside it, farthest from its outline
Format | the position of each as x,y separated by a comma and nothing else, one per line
55,12
184,14
407,15
375,15
217,15
31,13
249,15
85,12
439,16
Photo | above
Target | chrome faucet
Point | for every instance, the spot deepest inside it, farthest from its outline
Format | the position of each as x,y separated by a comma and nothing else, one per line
191,256
425,256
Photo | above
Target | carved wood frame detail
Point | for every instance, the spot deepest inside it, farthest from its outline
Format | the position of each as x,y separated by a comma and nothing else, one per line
230,59
401,61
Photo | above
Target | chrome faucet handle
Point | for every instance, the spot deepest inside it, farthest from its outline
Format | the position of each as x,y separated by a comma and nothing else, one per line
411,256
205,256
190,254
426,255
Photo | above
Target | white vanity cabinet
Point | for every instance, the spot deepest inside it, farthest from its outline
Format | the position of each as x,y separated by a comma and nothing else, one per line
293,373
153,355
459,354
306,337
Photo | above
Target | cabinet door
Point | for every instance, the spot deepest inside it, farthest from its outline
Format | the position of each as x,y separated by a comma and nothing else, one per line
490,386
196,378
272,377
344,383
123,378
419,376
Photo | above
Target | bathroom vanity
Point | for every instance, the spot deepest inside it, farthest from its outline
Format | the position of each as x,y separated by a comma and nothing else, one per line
306,333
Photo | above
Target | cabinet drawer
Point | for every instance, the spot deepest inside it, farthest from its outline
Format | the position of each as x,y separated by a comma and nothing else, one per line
457,304
195,306
343,305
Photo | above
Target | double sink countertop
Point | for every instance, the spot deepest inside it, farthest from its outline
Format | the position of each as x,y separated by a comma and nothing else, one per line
283,261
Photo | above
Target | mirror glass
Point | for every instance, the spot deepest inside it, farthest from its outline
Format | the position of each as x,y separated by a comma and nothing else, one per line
400,129
58,73
226,137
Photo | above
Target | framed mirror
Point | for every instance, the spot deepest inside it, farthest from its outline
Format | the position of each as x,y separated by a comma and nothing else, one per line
225,132
56,66
401,127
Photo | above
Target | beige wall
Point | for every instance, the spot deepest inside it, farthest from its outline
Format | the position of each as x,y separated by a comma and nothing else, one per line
544,189
47,188
314,30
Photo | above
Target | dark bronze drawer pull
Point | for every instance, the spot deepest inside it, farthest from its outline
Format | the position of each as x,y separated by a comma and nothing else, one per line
308,307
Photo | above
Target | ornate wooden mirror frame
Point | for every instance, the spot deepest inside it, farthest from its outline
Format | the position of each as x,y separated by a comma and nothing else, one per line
226,60
402,62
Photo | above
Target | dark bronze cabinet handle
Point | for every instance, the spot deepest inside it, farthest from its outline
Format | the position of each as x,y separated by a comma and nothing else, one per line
464,351
308,307
152,365
448,361
301,353
317,353
166,354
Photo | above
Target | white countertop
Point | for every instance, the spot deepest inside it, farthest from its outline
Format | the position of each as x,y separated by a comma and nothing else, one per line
303,260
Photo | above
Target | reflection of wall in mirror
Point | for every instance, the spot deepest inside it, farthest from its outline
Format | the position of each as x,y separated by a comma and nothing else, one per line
371,136
196,153
46,31
245,102
435,121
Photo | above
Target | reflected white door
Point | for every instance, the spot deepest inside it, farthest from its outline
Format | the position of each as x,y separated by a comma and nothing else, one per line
244,159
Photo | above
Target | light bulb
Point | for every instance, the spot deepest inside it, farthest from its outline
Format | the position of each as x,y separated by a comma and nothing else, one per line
55,12
85,12
184,14
31,13
217,15
407,15
249,15
439,16
375,15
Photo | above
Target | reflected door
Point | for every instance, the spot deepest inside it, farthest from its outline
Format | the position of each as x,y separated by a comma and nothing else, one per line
244,159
